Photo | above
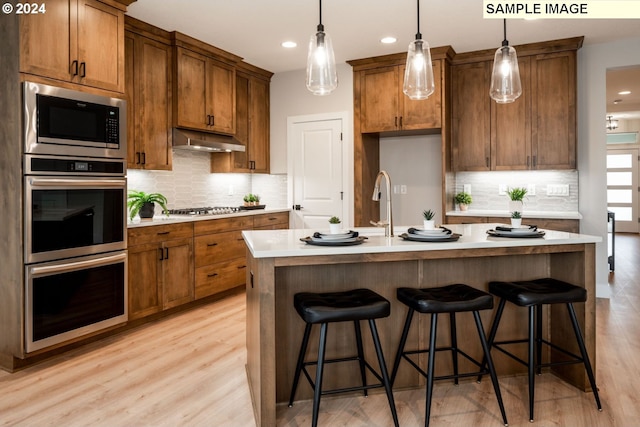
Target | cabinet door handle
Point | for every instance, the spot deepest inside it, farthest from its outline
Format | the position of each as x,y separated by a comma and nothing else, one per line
166,253
212,275
208,119
401,122
144,158
528,157
252,164
213,120
395,122
212,244
74,68
83,69
486,160
535,161
161,254
137,157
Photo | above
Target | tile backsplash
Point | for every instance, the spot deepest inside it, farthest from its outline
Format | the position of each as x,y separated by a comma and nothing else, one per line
191,184
485,186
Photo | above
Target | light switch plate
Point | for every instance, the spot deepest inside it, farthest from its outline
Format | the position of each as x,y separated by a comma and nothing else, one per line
531,189
561,190
502,189
466,188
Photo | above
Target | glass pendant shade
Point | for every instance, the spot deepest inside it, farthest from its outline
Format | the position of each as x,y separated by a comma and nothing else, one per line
505,78
418,72
322,77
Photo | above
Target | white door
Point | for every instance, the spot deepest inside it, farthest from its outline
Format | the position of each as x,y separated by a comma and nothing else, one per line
622,188
316,171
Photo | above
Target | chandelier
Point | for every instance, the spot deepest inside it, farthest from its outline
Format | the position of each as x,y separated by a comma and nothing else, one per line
611,123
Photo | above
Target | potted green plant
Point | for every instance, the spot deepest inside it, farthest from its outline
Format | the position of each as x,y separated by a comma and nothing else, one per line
251,199
334,225
516,219
143,204
428,221
463,200
516,196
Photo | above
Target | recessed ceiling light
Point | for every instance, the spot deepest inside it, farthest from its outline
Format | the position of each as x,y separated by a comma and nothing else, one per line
388,40
624,92
289,44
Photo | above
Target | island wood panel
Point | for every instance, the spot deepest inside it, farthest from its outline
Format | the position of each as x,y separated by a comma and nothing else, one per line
274,329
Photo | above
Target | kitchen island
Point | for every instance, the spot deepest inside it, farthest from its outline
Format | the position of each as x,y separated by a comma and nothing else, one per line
280,265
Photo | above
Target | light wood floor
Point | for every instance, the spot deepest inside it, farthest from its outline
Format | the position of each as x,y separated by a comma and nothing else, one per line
188,370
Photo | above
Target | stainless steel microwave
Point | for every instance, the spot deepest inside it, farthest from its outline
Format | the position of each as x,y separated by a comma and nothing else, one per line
66,122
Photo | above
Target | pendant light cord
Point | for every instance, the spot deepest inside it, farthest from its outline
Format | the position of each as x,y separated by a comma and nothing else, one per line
320,26
418,35
505,42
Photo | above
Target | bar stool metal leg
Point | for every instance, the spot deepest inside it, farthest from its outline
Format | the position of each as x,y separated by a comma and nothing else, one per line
583,352
403,341
299,364
531,365
383,371
454,346
356,324
431,362
317,390
492,370
539,339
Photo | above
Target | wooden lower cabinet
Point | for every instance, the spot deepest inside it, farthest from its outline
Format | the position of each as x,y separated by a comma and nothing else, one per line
160,268
274,221
220,276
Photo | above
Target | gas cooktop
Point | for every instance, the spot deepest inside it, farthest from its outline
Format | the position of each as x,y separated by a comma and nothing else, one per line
207,210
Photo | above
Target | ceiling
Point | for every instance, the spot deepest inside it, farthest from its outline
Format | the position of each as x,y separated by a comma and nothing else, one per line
255,29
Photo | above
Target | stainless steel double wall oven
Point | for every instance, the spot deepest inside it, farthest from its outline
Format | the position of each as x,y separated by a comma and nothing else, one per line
75,191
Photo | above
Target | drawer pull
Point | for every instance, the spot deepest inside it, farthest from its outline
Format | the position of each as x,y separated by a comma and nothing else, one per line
212,244
212,275
241,267
161,233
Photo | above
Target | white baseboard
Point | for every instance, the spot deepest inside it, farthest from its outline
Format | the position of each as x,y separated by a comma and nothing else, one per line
603,290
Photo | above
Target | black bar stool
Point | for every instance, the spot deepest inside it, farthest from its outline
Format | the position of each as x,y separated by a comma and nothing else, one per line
325,308
534,294
450,299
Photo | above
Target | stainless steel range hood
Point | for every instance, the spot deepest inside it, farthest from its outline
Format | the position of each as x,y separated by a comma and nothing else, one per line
200,141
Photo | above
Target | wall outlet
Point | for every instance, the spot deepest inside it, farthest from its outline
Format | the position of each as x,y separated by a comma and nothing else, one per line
531,189
561,190
403,189
466,188
396,189
502,189
230,192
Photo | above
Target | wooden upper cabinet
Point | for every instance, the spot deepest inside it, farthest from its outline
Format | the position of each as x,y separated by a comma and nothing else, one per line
79,41
536,131
252,124
206,93
511,127
385,107
554,110
148,88
471,113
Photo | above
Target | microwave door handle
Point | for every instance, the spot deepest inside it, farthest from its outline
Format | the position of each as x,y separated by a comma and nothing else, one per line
81,183
72,266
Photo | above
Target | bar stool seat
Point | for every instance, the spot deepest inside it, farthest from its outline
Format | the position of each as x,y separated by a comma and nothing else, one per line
450,299
324,308
534,294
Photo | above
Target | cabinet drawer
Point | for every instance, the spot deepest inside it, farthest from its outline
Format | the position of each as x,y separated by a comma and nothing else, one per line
219,247
158,233
219,277
271,219
223,224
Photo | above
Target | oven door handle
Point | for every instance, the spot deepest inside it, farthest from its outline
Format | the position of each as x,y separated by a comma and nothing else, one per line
78,265
36,182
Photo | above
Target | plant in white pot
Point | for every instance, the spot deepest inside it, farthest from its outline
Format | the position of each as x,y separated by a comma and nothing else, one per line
143,204
516,219
463,200
428,221
334,225
516,195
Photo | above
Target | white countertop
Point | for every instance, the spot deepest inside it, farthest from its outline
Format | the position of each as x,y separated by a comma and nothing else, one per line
525,214
286,243
174,219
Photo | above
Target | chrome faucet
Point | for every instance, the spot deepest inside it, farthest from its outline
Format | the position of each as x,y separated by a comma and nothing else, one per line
388,224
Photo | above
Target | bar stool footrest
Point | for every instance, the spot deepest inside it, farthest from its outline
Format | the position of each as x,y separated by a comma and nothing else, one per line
345,389
417,367
576,359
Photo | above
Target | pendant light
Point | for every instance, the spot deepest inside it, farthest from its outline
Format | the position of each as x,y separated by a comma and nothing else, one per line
418,72
505,78
322,78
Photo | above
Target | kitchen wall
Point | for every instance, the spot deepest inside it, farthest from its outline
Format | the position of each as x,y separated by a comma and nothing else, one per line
593,61
415,162
485,186
191,184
